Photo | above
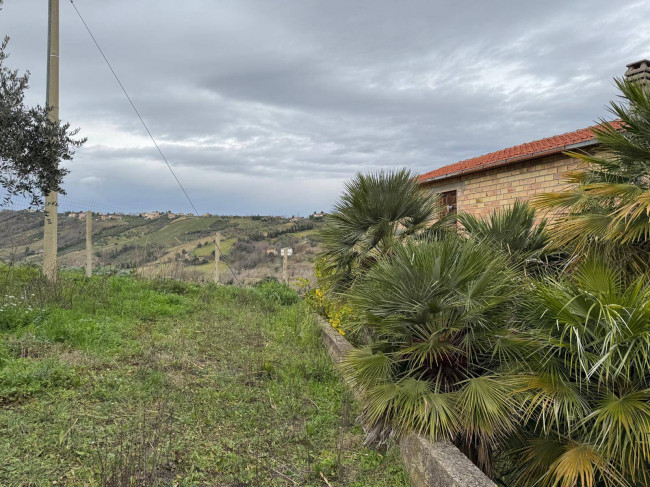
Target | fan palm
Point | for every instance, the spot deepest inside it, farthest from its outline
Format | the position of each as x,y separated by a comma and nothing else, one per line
512,230
374,209
438,312
609,200
588,396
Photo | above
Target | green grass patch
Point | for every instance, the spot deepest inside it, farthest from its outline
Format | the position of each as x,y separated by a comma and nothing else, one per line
171,383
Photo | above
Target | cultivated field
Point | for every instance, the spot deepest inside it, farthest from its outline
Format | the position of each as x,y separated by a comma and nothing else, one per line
181,247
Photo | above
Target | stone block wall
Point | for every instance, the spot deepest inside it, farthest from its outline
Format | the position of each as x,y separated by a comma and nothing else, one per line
480,193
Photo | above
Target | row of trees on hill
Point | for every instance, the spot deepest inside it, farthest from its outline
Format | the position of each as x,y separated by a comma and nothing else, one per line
273,233
527,345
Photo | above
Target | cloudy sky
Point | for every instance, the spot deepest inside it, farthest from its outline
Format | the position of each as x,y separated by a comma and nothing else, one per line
268,106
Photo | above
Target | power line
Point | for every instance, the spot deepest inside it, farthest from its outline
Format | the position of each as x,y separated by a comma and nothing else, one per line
144,124
65,203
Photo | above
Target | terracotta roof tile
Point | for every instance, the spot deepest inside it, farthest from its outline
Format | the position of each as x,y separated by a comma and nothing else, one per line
518,153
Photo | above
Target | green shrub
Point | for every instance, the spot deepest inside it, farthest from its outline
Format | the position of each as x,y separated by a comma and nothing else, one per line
267,279
171,286
276,293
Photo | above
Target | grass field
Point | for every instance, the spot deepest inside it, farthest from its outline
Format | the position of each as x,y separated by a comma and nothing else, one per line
118,380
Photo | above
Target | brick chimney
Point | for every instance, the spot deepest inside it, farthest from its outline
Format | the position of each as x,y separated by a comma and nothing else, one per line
639,71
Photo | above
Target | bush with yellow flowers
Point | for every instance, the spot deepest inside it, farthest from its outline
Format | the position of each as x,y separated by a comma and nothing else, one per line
336,311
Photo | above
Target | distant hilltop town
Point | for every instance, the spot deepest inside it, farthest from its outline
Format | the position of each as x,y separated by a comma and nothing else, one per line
104,216
118,216
317,215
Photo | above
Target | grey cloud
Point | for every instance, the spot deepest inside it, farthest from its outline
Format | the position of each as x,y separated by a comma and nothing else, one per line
298,96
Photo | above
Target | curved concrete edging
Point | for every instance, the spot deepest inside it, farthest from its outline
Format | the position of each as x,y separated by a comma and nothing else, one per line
438,464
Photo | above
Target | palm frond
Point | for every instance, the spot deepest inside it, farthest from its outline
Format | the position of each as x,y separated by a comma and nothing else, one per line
581,464
363,367
373,209
487,407
513,230
621,429
552,402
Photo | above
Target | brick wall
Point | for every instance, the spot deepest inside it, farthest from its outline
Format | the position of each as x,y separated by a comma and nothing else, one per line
481,192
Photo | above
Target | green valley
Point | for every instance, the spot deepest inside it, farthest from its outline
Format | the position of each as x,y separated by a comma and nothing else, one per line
169,245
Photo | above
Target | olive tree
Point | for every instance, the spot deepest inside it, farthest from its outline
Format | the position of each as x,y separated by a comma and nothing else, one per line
31,144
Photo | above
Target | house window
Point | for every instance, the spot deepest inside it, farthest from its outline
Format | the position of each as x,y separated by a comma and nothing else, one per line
448,201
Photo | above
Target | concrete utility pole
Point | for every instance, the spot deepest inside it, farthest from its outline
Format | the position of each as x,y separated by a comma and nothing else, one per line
89,244
285,267
52,100
286,252
217,256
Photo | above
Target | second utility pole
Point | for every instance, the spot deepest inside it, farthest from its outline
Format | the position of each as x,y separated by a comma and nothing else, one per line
217,256
285,265
52,102
89,244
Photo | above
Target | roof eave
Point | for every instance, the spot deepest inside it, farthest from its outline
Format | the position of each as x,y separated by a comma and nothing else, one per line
511,160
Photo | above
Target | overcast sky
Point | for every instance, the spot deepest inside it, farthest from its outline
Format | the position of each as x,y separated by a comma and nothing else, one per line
269,106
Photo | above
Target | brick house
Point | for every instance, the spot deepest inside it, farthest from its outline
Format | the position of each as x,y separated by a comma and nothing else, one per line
484,183
495,180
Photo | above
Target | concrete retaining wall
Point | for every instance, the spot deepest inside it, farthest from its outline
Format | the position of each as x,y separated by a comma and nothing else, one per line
428,464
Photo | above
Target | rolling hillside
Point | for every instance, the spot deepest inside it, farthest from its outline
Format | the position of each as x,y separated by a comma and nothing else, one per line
181,247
